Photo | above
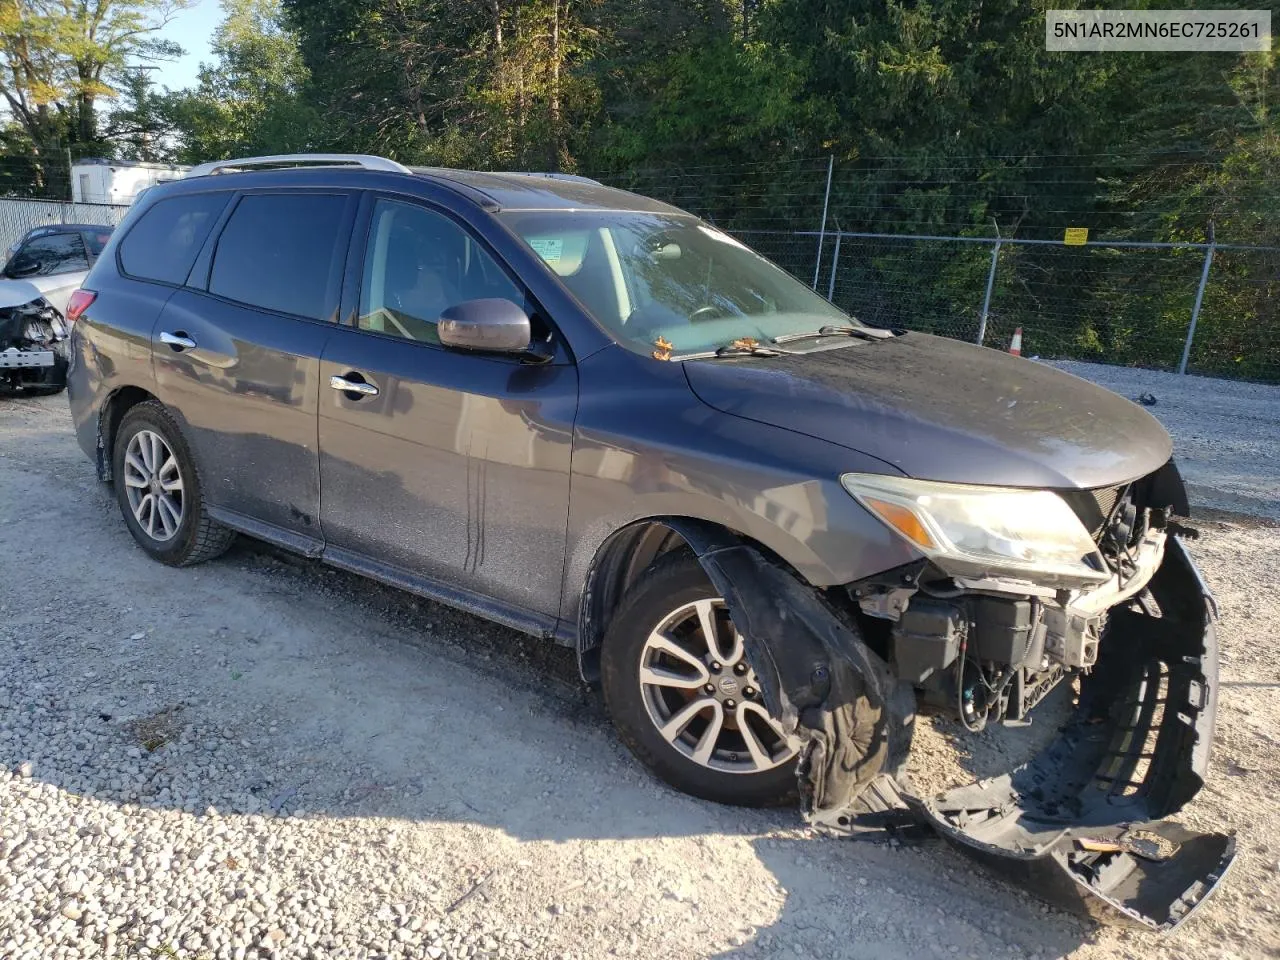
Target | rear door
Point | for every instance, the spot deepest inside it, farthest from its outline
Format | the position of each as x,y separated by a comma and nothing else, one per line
237,357
450,466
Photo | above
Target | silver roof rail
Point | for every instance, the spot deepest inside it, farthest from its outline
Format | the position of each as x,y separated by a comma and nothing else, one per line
572,177
365,161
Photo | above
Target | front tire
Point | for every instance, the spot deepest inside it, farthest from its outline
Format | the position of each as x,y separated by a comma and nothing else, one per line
159,491
683,697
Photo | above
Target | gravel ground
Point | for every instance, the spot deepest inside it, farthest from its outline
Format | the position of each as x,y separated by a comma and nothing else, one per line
1226,432
260,757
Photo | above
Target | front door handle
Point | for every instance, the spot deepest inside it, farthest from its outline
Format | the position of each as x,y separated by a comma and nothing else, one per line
353,386
179,341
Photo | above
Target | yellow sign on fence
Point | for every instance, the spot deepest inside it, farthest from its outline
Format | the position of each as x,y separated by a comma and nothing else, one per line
1076,236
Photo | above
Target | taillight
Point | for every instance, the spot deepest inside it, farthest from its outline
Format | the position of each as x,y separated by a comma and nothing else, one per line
79,303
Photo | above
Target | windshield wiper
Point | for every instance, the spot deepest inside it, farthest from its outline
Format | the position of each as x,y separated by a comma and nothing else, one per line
861,333
733,350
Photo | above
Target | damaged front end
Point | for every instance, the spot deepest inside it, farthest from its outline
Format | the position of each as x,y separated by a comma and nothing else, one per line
34,347
1080,824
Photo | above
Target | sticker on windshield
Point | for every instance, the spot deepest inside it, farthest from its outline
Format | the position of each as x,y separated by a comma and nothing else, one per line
722,237
548,248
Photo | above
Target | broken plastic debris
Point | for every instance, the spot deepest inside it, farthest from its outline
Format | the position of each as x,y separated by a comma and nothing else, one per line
1141,843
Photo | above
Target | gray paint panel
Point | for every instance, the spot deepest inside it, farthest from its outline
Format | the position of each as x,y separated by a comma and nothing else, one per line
646,447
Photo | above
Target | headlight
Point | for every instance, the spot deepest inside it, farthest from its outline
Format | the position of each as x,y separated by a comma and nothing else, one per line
972,530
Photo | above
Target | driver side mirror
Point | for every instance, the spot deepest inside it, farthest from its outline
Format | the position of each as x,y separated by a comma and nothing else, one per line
491,324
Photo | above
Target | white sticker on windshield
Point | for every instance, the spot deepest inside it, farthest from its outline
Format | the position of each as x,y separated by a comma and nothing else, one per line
722,237
548,248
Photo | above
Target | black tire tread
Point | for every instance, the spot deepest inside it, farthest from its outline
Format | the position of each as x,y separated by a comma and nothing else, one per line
674,573
208,539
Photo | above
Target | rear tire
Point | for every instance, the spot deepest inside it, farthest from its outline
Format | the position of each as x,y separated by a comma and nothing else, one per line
726,764
159,489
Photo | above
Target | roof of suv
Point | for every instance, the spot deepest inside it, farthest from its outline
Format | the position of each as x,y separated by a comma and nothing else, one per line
540,191
506,191
66,227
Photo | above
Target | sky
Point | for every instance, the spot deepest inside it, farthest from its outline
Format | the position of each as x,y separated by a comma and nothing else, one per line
192,29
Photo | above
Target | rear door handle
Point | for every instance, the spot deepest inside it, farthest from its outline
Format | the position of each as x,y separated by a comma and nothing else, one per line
179,341
353,386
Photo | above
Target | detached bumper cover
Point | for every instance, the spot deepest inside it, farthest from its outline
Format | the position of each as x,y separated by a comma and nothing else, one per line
1079,824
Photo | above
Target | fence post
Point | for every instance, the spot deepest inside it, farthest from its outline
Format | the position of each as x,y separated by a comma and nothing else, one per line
822,231
71,189
1195,311
991,281
835,262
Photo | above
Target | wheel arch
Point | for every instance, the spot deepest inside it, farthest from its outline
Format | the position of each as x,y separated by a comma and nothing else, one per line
622,559
118,402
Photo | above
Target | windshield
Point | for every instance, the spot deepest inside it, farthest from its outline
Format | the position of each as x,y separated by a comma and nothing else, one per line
646,277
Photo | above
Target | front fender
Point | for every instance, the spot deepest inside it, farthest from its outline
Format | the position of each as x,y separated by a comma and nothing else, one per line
677,457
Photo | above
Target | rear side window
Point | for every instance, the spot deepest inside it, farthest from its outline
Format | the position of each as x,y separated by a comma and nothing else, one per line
163,244
95,240
276,252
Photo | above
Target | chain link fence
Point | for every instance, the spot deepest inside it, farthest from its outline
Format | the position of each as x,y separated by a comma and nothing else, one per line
19,216
1192,307
1135,298
1144,290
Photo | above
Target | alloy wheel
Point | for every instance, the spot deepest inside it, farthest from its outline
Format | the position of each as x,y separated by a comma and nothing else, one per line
153,484
703,696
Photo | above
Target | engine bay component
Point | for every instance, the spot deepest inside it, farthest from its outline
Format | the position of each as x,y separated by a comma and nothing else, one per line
927,638
33,347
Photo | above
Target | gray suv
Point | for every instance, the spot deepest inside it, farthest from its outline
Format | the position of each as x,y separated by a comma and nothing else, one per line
771,533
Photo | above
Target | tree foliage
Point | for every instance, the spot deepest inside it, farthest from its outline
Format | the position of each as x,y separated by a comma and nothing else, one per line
249,100
59,58
942,116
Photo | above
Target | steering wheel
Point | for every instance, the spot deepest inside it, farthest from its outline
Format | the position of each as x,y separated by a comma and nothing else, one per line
709,312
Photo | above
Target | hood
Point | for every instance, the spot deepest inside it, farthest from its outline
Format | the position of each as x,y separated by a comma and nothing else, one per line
944,410
15,293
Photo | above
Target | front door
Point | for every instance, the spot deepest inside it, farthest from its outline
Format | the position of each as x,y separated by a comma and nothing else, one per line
239,360
436,464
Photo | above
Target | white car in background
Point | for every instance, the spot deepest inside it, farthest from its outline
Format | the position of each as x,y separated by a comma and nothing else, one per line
43,269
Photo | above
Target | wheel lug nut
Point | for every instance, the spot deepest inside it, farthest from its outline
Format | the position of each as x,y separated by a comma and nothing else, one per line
740,668
715,667
750,691
730,704
709,688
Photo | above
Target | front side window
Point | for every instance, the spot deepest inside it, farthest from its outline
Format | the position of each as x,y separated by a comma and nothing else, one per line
163,244
645,276
417,264
48,255
276,252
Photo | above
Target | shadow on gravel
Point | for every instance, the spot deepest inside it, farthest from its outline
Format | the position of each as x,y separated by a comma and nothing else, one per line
267,685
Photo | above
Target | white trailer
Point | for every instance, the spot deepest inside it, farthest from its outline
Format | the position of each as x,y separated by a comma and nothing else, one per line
97,180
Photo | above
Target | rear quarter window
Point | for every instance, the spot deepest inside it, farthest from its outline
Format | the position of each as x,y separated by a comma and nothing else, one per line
277,250
164,242
96,240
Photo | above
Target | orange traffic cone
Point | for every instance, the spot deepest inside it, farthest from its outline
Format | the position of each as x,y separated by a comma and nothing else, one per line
1015,345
